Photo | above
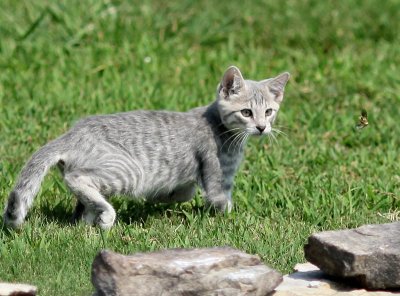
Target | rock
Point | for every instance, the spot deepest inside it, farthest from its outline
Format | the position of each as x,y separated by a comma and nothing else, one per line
10,289
309,280
209,271
368,256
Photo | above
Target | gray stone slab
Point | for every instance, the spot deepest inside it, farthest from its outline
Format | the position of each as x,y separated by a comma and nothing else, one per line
13,289
208,271
368,256
309,280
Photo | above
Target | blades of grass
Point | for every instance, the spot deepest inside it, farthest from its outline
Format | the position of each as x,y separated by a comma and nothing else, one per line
34,25
103,239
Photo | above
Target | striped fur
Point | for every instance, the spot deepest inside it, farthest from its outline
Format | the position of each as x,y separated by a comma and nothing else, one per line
157,155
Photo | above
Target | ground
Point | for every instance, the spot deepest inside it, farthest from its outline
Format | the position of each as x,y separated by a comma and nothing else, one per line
61,61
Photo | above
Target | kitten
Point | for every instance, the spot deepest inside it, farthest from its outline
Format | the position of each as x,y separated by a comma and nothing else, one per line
158,155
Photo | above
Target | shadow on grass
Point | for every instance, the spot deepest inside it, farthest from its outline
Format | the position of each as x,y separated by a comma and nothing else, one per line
133,211
59,213
128,211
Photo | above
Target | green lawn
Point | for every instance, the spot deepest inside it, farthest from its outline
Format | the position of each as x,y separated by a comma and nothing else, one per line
63,60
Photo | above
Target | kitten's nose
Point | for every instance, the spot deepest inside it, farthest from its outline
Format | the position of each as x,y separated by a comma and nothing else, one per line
261,128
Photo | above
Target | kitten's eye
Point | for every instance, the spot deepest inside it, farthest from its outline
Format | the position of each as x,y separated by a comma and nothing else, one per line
268,112
246,112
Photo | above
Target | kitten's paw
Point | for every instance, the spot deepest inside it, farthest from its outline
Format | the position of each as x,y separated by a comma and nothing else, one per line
225,207
228,206
222,203
12,219
106,219
12,223
15,212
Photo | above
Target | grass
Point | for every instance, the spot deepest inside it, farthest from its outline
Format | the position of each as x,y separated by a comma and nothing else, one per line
60,61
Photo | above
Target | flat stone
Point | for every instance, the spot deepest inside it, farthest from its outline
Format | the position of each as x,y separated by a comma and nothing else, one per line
309,280
368,256
12,289
208,271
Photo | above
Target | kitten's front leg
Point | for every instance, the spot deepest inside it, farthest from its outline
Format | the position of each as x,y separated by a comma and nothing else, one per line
216,185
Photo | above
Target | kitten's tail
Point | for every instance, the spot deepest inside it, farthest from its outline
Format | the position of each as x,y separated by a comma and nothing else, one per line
28,184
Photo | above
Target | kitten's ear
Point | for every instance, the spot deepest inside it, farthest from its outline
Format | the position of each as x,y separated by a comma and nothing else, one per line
277,85
231,83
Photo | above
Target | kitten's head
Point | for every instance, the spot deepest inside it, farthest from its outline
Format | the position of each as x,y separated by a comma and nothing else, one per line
249,106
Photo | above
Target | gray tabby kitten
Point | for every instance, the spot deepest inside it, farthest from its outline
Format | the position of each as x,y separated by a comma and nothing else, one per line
159,155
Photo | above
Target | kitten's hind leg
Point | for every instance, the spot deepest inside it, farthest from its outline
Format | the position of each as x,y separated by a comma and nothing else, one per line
96,208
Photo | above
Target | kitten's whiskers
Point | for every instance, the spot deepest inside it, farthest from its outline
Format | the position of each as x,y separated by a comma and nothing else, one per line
239,142
269,138
244,140
237,138
279,132
273,137
281,127
227,140
236,128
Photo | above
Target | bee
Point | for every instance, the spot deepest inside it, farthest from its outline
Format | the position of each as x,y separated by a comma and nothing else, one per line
362,120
